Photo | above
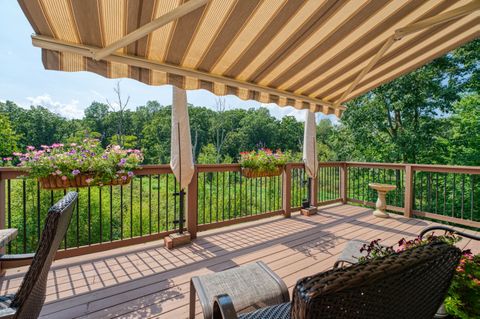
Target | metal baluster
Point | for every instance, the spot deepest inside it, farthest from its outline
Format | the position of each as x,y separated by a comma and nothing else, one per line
453,196
436,193
472,182
166,202
216,190
100,212
421,192
77,208
158,203
223,195
24,199
38,212
131,207
9,211
150,204
141,205
463,195
89,213
111,214
444,193
121,212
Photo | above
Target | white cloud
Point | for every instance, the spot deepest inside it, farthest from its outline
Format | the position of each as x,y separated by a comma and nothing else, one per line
71,110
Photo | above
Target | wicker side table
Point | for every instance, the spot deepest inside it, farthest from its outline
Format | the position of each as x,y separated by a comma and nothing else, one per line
252,285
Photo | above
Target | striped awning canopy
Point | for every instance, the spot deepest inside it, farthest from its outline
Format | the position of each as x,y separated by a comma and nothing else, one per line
310,54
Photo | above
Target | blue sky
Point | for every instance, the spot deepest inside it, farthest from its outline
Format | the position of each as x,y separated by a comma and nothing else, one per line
24,80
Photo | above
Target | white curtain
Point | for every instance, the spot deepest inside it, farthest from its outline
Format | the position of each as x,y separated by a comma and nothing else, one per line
181,159
310,145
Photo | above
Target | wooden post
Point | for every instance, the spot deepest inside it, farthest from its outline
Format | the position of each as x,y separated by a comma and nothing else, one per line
313,191
408,191
286,190
192,205
343,182
3,205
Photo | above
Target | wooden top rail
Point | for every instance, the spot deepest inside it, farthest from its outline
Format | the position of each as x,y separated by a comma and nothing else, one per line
14,172
474,170
376,165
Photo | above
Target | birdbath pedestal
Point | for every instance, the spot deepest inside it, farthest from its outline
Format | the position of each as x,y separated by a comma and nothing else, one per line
381,204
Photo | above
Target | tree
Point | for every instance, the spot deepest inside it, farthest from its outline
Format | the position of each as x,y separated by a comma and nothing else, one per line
95,119
463,141
208,155
8,138
119,107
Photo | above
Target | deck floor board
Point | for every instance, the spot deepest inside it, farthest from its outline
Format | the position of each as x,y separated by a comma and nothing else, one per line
149,281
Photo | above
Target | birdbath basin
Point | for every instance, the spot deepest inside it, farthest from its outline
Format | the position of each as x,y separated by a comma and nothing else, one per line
381,205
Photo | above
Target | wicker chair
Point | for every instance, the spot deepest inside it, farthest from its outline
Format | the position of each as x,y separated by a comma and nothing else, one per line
410,284
28,301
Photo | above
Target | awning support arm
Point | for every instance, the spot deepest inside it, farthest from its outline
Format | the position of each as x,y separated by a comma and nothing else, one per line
409,29
390,41
149,28
438,19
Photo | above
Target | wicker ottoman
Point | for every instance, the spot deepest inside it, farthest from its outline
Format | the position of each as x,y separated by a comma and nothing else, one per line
253,285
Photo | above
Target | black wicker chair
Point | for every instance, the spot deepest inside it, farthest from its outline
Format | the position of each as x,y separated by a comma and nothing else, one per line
28,301
410,284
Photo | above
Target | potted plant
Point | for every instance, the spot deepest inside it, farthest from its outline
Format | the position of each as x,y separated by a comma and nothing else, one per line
80,165
263,163
464,292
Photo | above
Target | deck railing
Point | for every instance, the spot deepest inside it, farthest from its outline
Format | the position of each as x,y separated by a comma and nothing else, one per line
113,216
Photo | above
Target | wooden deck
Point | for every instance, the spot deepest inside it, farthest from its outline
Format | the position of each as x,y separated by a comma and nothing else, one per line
148,281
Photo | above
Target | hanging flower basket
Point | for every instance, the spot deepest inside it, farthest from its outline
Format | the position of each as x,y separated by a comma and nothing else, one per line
254,173
263,163
79,181
75,165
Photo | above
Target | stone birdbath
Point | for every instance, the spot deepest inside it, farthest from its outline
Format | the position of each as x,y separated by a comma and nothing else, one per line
381,205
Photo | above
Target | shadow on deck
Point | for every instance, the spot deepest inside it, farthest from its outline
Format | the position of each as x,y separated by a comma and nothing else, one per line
149,281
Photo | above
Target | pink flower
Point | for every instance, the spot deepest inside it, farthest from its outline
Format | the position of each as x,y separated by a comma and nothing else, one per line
64,178
124,177
73,144
130,174
89,180
17,154
58,172
30,148
75,172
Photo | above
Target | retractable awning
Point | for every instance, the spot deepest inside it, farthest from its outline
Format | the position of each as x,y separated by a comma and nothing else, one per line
314,54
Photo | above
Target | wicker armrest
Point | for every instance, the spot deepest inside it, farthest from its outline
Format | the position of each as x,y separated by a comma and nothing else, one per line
16,257
223,308
448,229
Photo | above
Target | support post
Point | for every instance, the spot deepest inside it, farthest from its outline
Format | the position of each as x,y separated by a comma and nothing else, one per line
3,205
192,205
313,191
408,202
343,182
286,190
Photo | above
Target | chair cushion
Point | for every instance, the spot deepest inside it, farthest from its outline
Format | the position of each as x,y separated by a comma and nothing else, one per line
5,310
281,311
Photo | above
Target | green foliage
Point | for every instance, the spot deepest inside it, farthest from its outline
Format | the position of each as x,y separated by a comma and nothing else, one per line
464,293
8,138
463,142
208,155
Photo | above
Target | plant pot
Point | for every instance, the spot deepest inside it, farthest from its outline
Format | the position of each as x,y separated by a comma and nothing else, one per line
56,182
252,173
